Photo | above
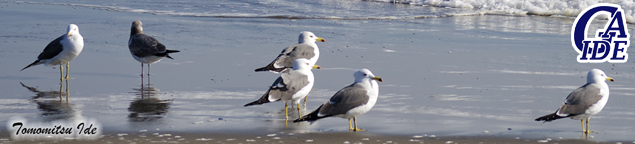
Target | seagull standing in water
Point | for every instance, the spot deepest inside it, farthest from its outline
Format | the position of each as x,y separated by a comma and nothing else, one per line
584,101
351,101
306,48
144,48
61,50
292,85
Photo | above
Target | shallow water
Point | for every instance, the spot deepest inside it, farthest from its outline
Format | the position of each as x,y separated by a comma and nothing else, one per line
487,75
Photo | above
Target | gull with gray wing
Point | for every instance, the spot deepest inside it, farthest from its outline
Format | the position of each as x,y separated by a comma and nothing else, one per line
292,85
61,50
144,48
585,101
306,48
351,101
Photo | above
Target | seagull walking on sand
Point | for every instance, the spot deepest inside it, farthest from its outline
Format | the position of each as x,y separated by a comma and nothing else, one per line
584,101
61,50
146,49
292,85
351,101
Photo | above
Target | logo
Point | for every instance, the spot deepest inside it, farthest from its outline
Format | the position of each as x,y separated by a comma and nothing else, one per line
79,128
609,44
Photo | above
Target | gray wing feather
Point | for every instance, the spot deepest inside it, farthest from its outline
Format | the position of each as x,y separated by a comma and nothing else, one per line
52,49
291,53
346,99
142,45
287,84
581,99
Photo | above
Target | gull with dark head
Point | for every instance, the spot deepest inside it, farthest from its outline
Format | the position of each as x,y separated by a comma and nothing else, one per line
144,48
61,50
351,101
292,85
584,101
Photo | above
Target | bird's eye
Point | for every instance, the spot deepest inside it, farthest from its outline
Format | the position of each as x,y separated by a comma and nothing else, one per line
307,63
365,74
311,36
602,74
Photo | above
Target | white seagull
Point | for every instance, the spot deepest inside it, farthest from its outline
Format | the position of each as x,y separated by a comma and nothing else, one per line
351,101
292,85
584,101
306,48
61,50
144,48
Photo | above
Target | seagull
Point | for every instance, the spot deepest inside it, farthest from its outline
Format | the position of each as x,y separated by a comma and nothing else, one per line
144,48
351,101
306,48
584,101
292,85
61,50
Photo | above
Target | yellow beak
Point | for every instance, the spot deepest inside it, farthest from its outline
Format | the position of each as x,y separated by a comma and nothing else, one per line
316,67
378,79
320,39
610,79
69,34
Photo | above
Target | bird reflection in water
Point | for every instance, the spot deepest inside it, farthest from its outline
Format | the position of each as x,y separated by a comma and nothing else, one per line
52,109
146,107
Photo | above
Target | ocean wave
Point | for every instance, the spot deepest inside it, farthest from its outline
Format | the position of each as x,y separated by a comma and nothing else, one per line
566,8
569,8
231,15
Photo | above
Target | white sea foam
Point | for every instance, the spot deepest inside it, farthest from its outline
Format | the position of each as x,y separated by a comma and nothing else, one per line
343,11
570,8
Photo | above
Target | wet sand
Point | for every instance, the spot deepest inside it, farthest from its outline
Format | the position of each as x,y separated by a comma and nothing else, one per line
282,137
467,77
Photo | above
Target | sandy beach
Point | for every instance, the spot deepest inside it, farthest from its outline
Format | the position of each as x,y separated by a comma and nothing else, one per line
464,79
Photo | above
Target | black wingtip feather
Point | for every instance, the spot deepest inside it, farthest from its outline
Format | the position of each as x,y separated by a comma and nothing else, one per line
270,68
549,117
313,116
262,100
168,56
32,64
172,51
166,53
260,69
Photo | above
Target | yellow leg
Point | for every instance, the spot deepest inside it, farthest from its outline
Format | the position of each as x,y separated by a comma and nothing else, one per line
587,125
286,114
356,129
582,122
305,97
61,86
67,93
299,113
61,73
67,68
350,126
